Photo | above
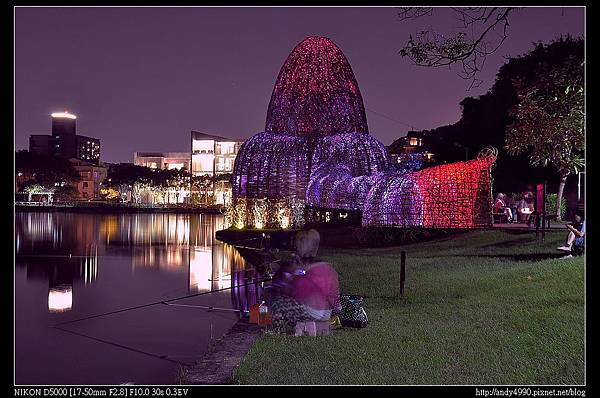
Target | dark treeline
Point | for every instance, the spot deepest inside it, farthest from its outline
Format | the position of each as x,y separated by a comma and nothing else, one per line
485,119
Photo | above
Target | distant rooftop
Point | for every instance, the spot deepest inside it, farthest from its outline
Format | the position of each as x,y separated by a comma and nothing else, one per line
63,115
205,136
162,154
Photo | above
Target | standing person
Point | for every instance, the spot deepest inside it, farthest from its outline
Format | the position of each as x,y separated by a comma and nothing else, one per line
575,242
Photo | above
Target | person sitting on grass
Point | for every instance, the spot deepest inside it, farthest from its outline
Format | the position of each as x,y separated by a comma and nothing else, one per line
310,289
576,238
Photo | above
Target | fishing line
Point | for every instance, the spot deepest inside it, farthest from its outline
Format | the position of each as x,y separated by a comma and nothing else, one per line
159,302
204,307
210,280
163,357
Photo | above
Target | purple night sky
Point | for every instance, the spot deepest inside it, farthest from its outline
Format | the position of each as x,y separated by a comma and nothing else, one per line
140,79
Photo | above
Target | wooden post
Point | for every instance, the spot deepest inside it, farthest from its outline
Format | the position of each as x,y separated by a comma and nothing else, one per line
544,212
402,271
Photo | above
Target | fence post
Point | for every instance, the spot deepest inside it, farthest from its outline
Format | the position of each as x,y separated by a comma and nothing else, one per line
544,213
402,271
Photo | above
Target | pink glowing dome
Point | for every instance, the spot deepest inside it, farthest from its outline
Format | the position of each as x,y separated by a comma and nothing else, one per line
316,93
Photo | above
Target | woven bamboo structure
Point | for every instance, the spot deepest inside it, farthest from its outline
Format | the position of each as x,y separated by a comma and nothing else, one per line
315,117
456,195
316,151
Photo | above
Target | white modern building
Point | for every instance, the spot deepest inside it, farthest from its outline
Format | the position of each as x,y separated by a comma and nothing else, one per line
213,155
162,160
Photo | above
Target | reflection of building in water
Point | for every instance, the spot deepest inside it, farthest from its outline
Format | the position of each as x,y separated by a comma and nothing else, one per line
159,257
61,273
109,228
159,240
63,248
154,229
55,233
211,268
32,228
201,254
60,298
214,265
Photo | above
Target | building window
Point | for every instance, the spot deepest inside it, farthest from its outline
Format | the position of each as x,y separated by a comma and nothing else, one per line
414,141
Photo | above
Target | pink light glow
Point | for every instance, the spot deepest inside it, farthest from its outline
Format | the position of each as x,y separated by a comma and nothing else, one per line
316,93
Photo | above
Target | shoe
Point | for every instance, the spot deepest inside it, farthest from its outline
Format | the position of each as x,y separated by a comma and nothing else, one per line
569,256
564,248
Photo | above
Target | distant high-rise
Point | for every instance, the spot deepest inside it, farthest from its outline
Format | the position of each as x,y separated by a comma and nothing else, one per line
63,123
64,140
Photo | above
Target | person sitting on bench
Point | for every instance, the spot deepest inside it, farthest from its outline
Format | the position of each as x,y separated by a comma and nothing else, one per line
576,237
500,207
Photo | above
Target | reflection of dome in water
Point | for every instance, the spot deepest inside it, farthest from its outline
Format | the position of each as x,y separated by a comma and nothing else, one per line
316,93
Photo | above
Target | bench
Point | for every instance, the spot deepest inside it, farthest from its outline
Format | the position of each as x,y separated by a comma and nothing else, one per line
313,328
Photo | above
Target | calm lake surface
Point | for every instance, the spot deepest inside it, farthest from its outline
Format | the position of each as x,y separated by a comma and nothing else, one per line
71,266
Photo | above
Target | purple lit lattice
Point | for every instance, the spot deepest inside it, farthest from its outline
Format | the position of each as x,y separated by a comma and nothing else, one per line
362,153
316,93
271,166
456,195
316,115
316,150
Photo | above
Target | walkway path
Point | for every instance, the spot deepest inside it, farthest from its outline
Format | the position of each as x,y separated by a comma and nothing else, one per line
219,363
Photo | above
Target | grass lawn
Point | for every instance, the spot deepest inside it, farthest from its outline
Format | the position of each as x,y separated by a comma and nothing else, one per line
471,314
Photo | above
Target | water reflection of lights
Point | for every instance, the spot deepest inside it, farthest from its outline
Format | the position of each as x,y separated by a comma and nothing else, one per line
90,265
167,229
169,242
200,270
109,228
37,227
60,298
211,268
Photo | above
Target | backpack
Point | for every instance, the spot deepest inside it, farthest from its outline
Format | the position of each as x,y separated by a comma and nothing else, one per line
352,313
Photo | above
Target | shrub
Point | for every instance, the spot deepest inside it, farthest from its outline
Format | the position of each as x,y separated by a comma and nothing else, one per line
551,205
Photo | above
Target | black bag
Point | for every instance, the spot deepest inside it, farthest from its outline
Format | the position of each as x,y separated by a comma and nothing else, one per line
352,313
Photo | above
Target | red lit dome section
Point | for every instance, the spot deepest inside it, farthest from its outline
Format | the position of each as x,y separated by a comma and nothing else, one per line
316,93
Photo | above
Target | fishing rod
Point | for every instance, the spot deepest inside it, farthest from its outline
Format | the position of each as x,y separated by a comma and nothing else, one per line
204,307
159,302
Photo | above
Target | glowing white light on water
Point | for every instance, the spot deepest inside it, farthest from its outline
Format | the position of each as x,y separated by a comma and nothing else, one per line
60,299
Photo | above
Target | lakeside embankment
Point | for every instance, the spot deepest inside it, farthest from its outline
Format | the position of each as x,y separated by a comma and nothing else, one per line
102,207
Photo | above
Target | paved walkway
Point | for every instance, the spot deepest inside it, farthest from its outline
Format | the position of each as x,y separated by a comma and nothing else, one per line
219,363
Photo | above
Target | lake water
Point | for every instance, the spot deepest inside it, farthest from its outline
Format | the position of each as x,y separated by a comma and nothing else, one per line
71,266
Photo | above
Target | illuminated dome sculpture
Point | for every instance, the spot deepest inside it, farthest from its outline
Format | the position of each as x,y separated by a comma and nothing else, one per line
316,150
316,114
316,93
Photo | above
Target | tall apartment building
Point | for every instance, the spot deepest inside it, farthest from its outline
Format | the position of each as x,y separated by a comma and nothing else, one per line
64,140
